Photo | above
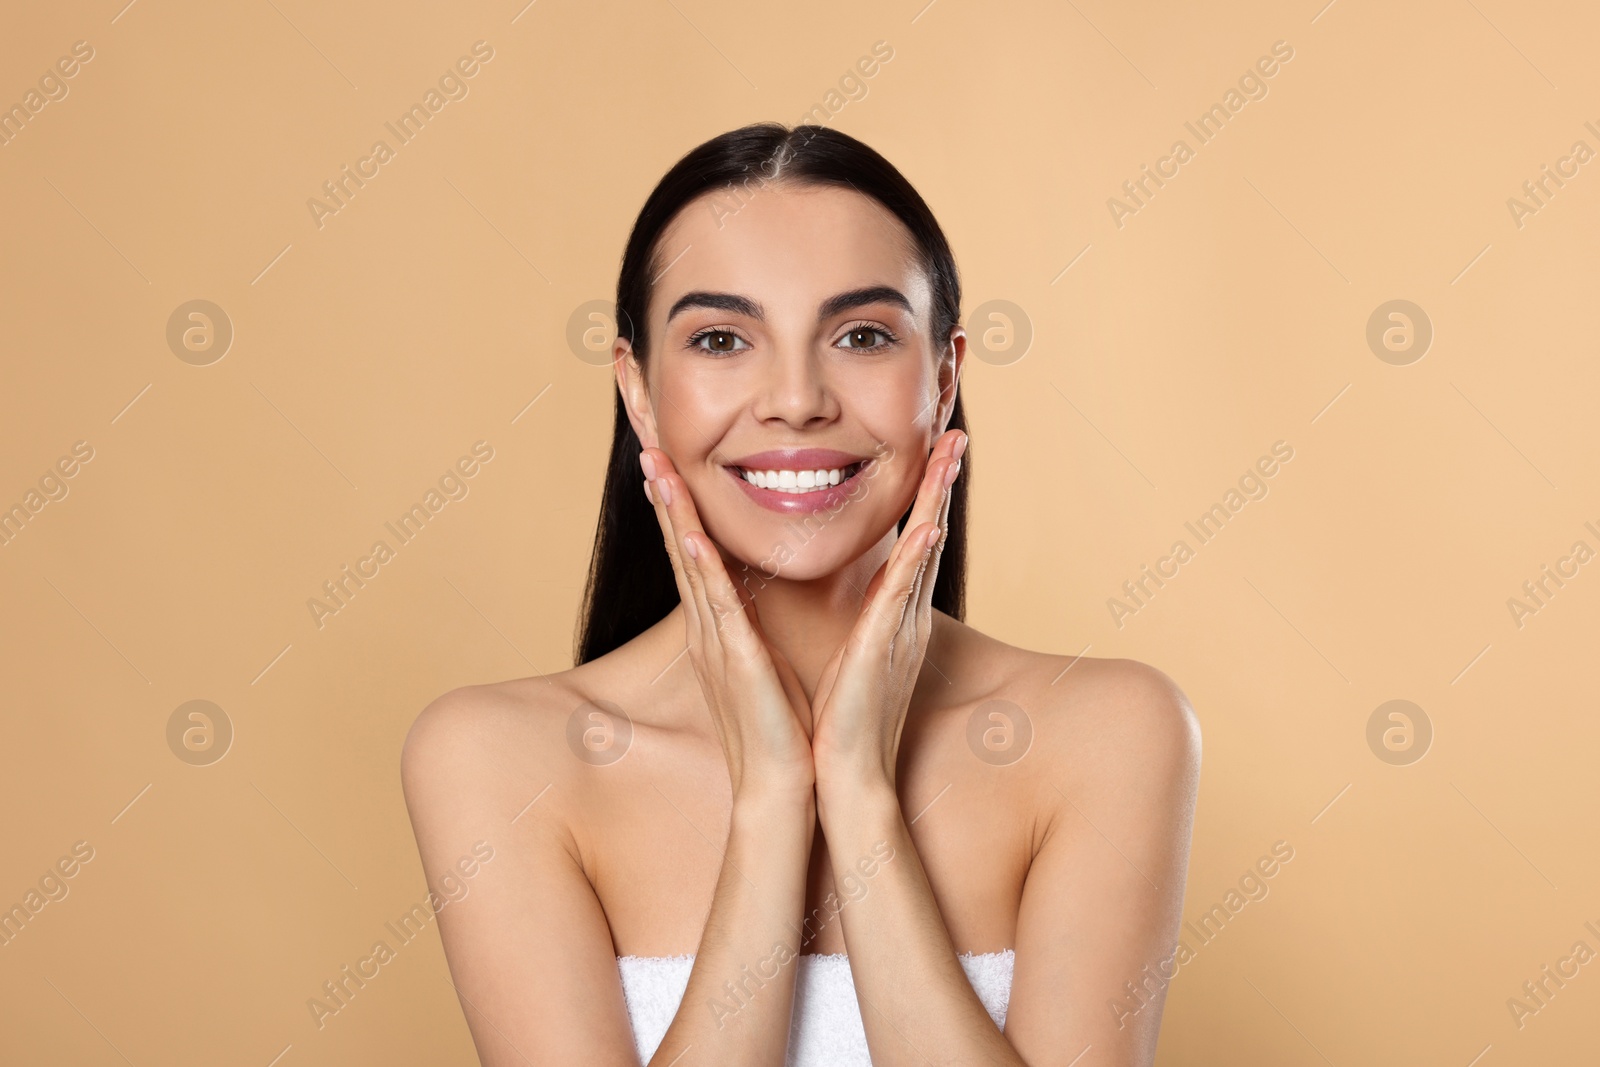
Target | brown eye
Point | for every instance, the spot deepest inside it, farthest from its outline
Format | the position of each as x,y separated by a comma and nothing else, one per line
718,342
867,337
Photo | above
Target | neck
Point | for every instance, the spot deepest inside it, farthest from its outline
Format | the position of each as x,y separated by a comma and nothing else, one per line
808,620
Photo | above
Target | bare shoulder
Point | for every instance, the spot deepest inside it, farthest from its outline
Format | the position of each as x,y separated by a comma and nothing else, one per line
487,776
1124,735
1092,716
479,746
473,719
1136,707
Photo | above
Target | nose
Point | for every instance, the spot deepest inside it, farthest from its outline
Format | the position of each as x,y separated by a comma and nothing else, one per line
795,388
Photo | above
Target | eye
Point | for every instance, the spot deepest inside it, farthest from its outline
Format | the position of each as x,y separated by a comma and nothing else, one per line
861,337
723,341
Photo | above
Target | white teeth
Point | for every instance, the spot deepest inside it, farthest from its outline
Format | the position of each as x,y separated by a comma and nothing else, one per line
787,481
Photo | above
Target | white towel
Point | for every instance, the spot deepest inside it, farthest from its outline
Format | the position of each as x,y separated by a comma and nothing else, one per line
825,1029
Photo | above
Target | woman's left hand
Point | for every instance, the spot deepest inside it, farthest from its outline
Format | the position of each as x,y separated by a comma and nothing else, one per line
861,699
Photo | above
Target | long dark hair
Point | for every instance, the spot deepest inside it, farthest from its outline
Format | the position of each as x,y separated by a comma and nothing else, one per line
630,585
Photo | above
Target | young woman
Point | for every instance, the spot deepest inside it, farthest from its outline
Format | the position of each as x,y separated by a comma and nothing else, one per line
788,807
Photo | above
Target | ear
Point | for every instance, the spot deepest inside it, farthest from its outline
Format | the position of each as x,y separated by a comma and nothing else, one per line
951,360
635,392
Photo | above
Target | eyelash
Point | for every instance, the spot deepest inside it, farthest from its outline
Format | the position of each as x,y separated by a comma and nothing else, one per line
694,339
889,335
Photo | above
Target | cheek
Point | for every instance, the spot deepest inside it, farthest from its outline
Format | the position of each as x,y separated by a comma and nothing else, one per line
902,424
898,397
898,488
692,411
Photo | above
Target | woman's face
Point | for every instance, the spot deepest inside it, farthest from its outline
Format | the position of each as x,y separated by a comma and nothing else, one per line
789,336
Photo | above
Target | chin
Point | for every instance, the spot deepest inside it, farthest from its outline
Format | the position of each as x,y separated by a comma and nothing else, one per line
798,548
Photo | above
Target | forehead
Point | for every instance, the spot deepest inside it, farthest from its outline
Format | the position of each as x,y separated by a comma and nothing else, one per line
787,246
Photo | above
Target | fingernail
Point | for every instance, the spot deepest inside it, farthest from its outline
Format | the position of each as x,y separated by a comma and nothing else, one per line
961,446
688,546
951,472
933,538
647,495
647,464
666,491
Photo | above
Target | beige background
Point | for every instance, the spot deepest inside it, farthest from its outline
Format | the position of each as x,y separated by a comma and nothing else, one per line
369,354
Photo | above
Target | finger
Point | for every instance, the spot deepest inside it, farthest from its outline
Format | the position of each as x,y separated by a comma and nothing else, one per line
885,613
826,680
719,608
876,581
655,464
725,610
914,599
932,492
748,598
943,518
933,499
694,549
956,443
958,449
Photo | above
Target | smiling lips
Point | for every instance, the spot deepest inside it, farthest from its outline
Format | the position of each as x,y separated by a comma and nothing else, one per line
797,479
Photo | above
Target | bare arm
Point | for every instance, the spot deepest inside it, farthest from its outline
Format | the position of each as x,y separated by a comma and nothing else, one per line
1128,752
917,1006
1102,903
737,1006
1091,919
739,1001
529,948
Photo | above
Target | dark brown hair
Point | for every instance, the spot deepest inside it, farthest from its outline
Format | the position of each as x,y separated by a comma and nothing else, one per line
630,584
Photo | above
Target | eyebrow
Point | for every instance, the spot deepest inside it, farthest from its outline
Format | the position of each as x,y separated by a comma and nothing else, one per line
834,305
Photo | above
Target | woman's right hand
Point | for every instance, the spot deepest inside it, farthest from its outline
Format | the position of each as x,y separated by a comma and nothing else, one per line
757,705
